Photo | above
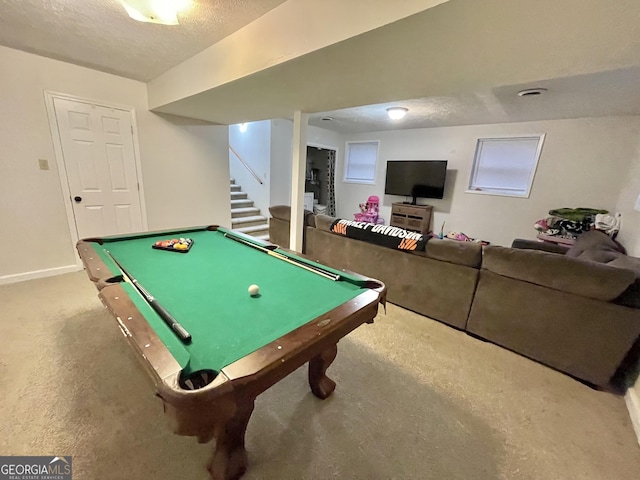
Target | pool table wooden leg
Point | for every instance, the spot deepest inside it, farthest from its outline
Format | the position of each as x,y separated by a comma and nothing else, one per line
229,459
321,385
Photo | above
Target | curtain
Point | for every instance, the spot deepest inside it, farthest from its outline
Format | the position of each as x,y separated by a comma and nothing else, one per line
331,177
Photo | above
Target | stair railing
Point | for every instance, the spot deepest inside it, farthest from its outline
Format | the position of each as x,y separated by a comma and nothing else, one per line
246,165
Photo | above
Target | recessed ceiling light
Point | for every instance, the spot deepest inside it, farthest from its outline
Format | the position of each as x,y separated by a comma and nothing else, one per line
396,113
327,119
530,92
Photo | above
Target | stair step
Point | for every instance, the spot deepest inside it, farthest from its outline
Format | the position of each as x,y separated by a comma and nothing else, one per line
250,219
253,229
262,233
244,212
245,217
241,202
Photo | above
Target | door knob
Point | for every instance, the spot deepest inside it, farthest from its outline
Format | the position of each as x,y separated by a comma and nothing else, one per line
77,199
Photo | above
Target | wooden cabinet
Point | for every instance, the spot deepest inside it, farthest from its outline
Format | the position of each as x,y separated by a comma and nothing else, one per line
412,217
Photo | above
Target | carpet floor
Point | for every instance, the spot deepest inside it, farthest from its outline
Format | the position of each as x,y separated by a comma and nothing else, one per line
415,400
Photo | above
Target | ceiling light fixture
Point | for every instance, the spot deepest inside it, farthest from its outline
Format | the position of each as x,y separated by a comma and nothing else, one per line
327,119
396,113
531,92
242,127
164,12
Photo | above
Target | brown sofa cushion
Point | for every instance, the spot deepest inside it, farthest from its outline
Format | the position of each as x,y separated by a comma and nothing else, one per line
558,272
323,222
452,251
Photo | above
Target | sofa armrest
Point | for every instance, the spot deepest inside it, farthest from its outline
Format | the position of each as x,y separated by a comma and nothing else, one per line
283,212
558,272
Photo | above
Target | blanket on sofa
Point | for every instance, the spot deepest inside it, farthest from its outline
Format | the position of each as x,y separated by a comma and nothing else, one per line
383,235
597,246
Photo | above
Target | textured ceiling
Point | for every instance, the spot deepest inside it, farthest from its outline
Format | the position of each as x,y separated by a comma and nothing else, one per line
99,34
598,94
460,63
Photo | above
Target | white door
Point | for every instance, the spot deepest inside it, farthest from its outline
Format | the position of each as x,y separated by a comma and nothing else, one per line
99,158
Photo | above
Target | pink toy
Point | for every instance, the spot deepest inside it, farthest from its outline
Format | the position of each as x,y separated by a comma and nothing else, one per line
373,204
542,225
369,211
461,237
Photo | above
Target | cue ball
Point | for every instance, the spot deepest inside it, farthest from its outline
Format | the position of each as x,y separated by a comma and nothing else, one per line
253,290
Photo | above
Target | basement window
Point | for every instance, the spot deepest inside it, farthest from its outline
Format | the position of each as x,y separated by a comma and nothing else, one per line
360,162
505,166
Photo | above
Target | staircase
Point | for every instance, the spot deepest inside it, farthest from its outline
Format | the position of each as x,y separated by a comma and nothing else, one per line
245,217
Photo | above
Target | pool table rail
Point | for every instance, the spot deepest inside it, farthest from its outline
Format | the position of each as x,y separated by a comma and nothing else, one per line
97,270
155,356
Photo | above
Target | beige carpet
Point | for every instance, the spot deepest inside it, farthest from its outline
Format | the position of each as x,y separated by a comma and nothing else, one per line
415,400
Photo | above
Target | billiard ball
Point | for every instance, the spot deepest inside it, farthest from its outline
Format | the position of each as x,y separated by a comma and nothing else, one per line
254,290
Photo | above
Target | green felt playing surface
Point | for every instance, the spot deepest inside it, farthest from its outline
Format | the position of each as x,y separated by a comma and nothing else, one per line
206,291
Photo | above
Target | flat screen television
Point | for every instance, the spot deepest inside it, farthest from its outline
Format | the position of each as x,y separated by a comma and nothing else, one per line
416,178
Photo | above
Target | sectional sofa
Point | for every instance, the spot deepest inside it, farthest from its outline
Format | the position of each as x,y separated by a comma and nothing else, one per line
581,317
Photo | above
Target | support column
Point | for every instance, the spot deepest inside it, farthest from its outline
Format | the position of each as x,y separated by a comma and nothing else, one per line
298,173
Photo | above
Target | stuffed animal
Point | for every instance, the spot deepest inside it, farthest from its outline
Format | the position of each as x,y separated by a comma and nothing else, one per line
459,236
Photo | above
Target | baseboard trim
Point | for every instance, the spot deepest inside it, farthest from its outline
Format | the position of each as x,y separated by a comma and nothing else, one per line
633,405
50,272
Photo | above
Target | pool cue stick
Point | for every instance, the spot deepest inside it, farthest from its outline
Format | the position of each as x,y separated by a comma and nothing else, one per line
179,330
311,268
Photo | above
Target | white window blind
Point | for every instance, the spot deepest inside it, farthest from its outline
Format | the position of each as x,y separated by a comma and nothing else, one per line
505,166
360,162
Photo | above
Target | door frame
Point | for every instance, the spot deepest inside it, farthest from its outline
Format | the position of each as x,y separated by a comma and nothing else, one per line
328,147
49,97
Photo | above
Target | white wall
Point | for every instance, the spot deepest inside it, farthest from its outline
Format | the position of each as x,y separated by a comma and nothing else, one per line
281,161
184,164
321,137
630,231
254,147
185,168
281,155
584,163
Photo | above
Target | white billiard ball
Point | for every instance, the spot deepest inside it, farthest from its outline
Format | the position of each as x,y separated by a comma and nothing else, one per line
254,290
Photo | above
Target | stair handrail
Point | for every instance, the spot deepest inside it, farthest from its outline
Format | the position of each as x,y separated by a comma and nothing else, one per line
246,165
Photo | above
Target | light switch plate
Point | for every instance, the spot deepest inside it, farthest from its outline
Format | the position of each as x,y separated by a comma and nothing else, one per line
43,163
637,205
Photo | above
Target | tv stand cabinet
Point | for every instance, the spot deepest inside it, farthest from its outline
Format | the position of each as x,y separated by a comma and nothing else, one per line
416,218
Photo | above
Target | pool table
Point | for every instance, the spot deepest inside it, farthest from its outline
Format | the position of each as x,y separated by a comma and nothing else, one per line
238,345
